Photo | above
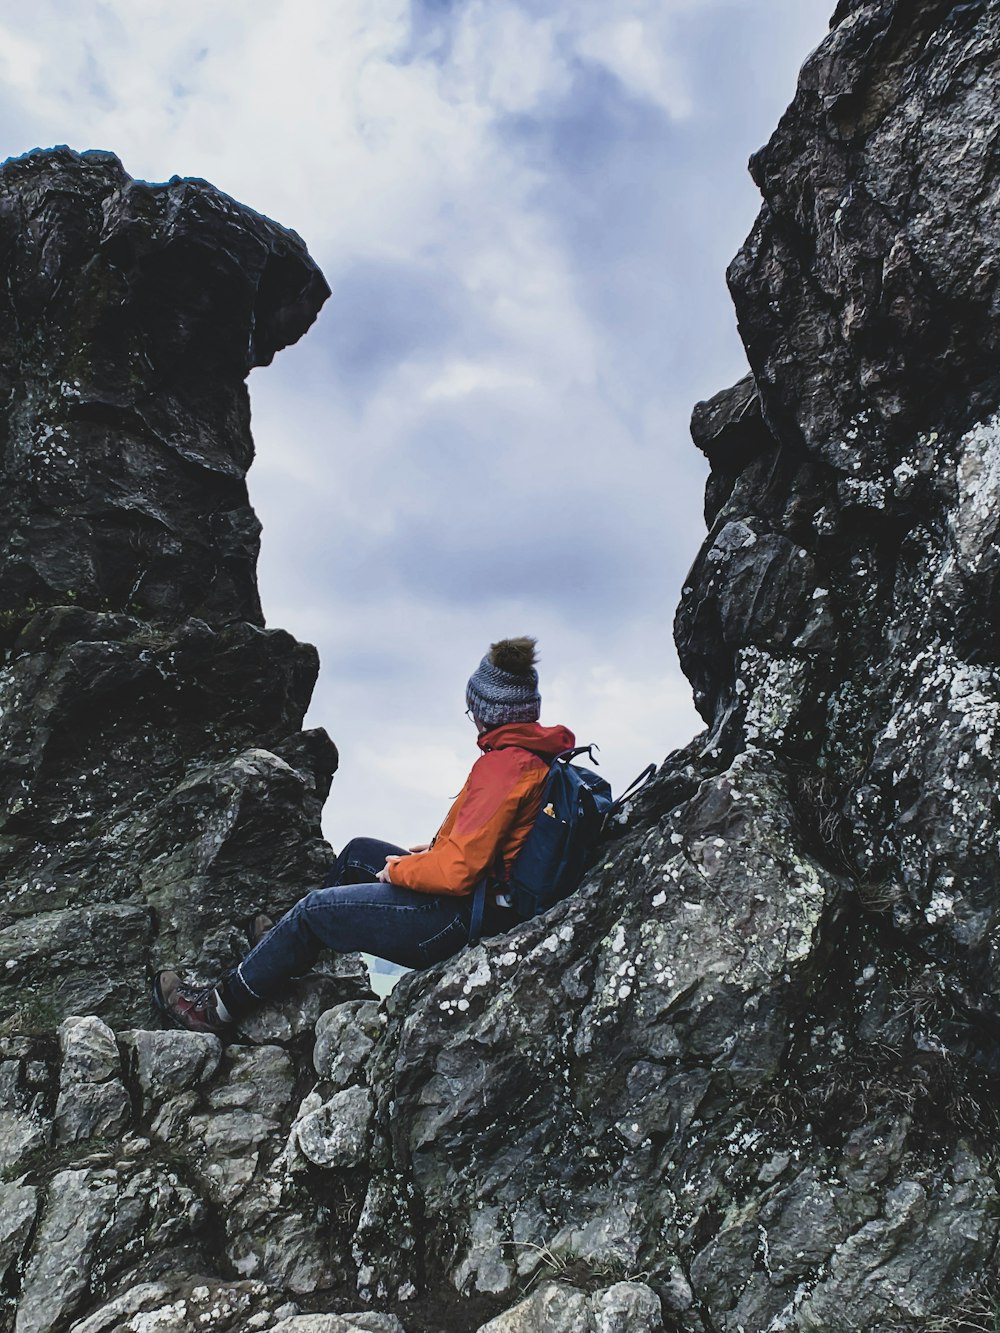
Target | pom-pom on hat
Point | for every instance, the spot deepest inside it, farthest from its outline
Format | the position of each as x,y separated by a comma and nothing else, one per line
504,687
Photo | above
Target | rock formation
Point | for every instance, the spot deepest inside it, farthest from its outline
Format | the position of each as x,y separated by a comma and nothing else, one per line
744,1079
155,783
156,786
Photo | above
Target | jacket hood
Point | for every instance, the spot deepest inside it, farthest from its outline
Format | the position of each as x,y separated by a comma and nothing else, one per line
548,741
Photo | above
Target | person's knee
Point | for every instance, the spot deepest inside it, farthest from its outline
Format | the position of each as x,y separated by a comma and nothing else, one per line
302,909
296,921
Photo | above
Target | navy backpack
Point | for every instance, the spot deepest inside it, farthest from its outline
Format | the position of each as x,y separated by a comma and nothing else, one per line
562,844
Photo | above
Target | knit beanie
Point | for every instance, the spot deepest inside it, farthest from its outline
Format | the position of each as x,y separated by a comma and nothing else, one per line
504,687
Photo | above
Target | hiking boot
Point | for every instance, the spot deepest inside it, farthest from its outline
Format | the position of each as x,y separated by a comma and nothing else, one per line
187,1006
257,927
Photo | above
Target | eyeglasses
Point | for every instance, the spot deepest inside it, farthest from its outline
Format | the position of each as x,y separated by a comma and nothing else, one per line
468,714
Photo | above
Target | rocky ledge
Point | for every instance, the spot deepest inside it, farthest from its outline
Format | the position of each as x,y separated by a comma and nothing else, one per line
745,1080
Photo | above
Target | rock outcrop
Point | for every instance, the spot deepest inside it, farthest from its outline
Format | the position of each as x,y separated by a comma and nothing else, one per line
746,1078
155,782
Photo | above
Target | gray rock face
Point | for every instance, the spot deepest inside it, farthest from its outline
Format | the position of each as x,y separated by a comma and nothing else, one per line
335,1133
344,1037
626,1307
181,1306
92,1098
154,782
156,786
79,1207
18,1208
745,1080
362,1322
119,1222
126,422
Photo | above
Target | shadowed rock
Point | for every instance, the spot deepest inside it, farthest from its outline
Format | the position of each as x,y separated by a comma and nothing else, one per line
154,784
130,316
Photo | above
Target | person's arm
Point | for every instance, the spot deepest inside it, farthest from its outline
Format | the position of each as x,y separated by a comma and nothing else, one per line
468,842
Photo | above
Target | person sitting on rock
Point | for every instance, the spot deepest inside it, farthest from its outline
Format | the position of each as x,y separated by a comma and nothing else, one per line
411,907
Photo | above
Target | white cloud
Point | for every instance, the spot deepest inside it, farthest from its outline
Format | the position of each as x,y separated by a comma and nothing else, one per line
459,378
505,59
21,62
634,50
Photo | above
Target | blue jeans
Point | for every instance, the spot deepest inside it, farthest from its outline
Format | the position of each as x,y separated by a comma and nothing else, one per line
355,913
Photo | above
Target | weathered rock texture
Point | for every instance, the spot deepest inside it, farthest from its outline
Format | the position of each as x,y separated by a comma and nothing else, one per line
154,783
746,1078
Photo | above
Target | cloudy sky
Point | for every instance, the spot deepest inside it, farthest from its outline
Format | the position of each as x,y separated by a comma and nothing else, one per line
525,209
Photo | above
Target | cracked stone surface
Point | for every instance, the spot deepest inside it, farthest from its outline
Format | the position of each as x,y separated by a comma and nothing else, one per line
744,1080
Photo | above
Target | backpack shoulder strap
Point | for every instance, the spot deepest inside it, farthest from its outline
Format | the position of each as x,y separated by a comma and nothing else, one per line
478,910
634,786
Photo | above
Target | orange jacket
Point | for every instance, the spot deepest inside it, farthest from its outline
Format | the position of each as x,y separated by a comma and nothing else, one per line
493,812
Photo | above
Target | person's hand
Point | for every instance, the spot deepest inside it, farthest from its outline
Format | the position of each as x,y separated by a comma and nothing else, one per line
420,847
383,874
